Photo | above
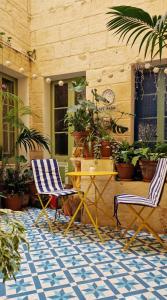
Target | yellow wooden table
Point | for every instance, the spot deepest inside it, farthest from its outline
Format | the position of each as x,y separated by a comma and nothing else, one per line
83,196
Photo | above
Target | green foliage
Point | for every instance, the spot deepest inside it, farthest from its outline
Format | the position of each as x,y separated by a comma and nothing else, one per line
124,152
14,181
12,234
79,85
78,116
132,23
31,138
147,153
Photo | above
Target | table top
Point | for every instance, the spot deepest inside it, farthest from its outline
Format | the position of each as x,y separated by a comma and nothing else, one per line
91,173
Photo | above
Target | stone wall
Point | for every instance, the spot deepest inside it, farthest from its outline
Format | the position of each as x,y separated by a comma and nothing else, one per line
15,21
71,36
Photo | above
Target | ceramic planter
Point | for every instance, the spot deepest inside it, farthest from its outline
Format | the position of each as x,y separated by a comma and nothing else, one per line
125,171
147,169
105,149
79,137
13,202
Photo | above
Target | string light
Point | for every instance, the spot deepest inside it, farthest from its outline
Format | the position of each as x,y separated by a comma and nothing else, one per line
7,62
147,66
61,83
48,80
21,70
34,76
156,70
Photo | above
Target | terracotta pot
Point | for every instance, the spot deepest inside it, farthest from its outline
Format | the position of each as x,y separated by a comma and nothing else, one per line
105,149
13,202
79,137
25,200
88,150
125,171
148,168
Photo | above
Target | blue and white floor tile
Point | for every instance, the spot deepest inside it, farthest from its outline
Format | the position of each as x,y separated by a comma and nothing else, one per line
79,267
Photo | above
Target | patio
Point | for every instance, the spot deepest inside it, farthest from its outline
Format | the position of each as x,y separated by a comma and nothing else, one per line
79,267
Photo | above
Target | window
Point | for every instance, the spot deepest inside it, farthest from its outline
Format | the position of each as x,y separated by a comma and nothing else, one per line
59,110
63,97
151,106
7,132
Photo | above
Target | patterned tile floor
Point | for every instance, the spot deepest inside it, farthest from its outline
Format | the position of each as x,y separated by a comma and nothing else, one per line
79,267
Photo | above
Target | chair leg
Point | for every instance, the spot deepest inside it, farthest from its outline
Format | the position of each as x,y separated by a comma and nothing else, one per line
133,221
143,224
43,212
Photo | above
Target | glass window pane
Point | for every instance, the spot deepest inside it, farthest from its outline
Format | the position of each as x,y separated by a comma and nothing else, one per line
61,95
147,107
61,144
147,130
165,103
149,82
5,142
59,119
165,129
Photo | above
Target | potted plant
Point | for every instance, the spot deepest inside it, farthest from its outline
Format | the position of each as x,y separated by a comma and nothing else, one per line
15,188
123,160
77,120
147,158
12,234
106,145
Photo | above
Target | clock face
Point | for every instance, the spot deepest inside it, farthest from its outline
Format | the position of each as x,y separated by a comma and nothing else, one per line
109,96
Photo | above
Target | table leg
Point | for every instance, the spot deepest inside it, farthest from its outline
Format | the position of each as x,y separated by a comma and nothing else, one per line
100,193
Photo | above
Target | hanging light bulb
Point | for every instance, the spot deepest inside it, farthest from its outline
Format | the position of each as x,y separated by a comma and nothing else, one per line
61,83
156,70
147,66
7,63
34,76
48,80
99,79
21,70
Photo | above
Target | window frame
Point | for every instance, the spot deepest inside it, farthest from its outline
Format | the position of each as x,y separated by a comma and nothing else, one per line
160,93
15,92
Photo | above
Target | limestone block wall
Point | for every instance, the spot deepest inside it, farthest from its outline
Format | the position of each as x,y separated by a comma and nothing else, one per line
15,21
71,36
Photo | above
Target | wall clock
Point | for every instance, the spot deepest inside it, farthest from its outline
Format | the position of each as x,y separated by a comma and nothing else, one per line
109,96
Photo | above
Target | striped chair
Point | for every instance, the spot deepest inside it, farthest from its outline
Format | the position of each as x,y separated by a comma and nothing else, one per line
48,182
151,201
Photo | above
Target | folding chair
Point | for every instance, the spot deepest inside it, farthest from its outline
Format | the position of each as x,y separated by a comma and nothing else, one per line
48,182
152,201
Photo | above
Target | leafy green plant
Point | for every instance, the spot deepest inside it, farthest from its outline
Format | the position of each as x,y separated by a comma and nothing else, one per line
31,139
145,153
133,24
124,152
12,234
78,116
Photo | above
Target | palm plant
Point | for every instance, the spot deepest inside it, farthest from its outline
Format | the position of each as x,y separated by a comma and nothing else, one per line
29,138
132,23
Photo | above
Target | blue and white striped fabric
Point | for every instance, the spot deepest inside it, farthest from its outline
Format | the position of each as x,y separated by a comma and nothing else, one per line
47,178
155,190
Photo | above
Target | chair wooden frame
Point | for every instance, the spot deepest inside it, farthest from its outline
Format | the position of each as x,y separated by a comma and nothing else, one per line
143,224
